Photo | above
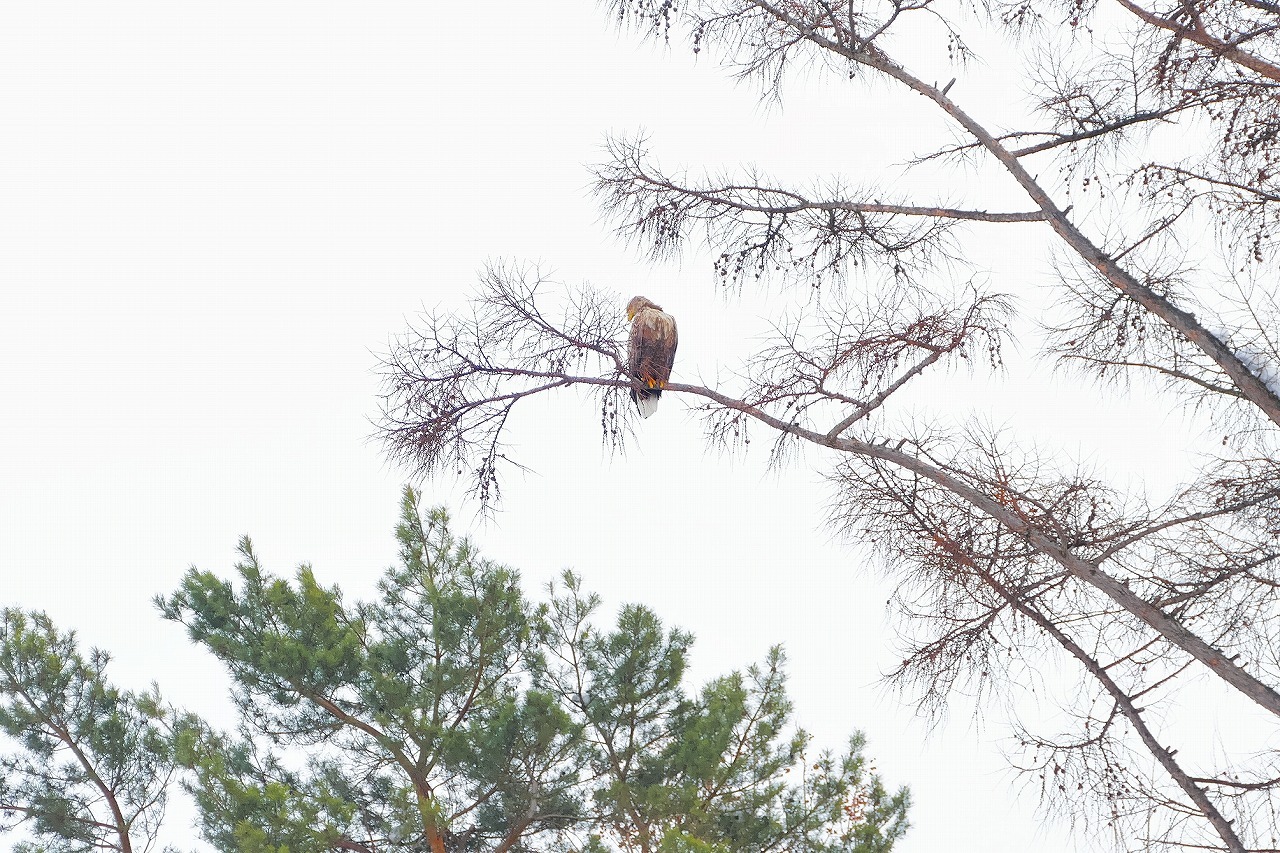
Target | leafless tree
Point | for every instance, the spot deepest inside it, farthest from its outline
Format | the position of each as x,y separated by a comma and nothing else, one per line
1005,561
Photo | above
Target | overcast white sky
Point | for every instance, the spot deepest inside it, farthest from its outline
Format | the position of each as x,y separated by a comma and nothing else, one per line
213,215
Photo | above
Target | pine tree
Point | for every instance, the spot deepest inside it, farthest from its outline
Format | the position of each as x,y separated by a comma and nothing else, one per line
451,713
89,765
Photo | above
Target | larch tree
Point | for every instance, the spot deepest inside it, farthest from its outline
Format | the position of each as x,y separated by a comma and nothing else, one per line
1148,163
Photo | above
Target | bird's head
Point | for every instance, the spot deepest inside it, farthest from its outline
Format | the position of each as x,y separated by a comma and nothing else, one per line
636,304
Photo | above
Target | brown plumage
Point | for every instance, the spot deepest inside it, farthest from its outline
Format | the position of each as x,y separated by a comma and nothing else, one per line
651,352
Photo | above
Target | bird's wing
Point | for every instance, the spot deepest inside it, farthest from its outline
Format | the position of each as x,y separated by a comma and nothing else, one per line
635,346
653,338
672,341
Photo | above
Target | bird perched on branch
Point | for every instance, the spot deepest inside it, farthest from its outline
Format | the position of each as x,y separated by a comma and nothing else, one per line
651,352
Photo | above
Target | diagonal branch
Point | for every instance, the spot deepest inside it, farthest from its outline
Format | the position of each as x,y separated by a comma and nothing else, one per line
1253,190
1058,140
1196,32
1085,570
875,402
1123,701
1257,391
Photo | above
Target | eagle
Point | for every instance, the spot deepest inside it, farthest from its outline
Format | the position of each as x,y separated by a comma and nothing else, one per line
650,353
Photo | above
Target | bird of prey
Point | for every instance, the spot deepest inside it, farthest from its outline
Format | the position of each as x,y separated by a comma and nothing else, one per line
651,352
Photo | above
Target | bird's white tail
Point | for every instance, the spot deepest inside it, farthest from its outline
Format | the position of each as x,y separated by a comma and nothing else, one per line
647,404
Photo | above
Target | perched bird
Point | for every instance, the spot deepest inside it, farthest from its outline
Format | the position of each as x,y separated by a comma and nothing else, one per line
651,352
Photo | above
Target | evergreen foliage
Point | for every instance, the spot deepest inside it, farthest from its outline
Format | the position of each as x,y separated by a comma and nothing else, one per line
452,713
449,713
712,772
87,766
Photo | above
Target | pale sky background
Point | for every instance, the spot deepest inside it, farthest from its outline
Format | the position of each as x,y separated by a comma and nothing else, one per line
213,216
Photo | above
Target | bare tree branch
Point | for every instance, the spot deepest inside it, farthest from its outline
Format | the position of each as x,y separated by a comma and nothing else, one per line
999,557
